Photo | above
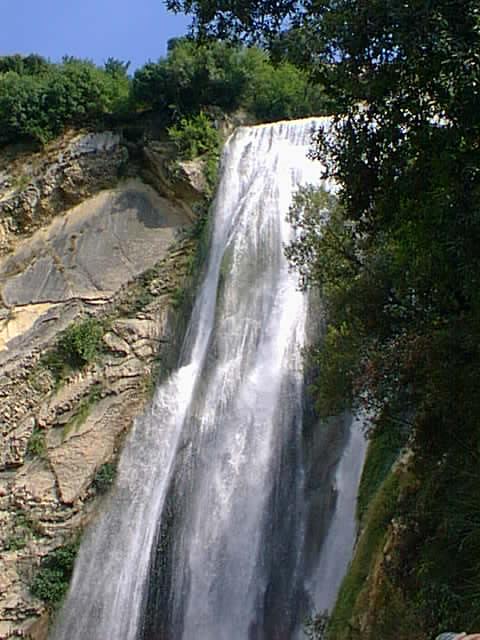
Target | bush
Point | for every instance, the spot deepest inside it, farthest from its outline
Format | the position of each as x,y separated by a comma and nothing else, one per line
191,77
81,342
53,577
104,477
378,518
36,446
32,64
38,99
279,92
22,113
78,346
194,136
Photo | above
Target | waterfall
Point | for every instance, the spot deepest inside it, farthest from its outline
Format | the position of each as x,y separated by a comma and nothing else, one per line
204,535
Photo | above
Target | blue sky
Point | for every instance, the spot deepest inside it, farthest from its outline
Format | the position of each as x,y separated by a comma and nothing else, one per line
135,30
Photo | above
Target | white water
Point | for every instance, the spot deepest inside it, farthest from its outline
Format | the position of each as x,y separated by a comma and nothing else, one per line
222,442
338,545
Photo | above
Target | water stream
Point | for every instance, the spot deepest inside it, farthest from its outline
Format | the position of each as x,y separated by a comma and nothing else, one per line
206,534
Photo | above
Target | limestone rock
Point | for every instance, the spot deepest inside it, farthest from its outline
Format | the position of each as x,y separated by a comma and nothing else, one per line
79,243
190,178
85,448
116,344
47,183
102,244
13,446
182,181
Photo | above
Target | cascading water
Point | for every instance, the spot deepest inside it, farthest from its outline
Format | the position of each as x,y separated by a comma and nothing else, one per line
205,531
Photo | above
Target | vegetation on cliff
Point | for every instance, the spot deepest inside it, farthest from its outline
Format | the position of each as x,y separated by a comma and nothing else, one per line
398,264
51,581
38,99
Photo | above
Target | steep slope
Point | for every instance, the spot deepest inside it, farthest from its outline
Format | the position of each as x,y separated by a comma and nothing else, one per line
93,266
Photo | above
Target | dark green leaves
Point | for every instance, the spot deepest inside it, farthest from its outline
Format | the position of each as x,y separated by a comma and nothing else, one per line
38,99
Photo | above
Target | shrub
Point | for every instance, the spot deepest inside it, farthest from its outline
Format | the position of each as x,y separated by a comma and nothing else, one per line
284,92
177,297
32,64
22,112
52,579
194,136
77,346
210,171
105,477
80,343
36,446
15,542
54,362
190,78
83,409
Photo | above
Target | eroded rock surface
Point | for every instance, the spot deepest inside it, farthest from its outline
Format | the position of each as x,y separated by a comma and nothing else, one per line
76,243
35,187
94,249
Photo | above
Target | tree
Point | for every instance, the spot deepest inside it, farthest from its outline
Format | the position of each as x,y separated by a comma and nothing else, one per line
116,68
39,99
254,19
32,64
405,79
398,265
195,76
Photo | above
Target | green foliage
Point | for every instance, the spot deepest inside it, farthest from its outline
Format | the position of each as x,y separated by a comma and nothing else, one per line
81,342
54,362
116,68
194,136
79,345
248,18
210,171
36,446
325,256
369,545
190,78
385,444
16,542
83,410
442,550
324,251
21,108
283,92
24,528
105,477
50,584
177,297
39,99
30,65
195,76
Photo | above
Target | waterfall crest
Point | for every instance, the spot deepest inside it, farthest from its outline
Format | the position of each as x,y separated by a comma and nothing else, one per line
203,537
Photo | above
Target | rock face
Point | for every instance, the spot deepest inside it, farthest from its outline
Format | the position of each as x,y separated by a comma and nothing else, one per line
36,187
102,243
77,242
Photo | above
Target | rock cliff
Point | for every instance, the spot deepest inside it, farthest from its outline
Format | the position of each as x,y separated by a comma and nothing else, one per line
92,235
